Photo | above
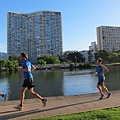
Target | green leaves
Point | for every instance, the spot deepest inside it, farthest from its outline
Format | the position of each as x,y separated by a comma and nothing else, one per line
49,59
108,56
75,57
8,65
41,62
104,54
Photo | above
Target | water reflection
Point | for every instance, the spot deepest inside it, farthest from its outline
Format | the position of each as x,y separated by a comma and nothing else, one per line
58,82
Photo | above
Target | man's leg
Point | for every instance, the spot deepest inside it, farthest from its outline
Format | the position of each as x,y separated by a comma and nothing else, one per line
22,95
35,94
106,90
100,89
101,92
4,96
44,101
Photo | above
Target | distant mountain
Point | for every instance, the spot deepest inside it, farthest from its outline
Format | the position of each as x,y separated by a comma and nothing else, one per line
3,55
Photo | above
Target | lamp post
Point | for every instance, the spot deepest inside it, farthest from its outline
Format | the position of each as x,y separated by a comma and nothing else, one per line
75,61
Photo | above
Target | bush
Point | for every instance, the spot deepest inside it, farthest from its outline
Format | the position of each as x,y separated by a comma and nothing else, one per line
50,59
72,66
80,66
85,66
41,62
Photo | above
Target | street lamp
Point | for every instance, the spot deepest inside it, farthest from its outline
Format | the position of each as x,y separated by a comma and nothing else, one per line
75,61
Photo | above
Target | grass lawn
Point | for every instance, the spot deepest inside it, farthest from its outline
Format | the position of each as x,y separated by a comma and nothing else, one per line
108,114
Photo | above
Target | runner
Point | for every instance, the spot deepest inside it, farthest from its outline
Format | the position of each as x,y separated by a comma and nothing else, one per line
4,96
100,71
28,82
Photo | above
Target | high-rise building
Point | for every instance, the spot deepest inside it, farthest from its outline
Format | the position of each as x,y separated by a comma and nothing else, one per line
93,47
38,33
108,38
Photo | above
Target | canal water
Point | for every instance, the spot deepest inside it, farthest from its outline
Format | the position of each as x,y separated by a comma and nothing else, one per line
58,82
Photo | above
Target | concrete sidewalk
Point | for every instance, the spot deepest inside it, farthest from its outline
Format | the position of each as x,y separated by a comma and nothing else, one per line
58,106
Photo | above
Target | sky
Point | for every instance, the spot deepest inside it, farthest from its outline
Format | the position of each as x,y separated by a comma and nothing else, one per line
79,18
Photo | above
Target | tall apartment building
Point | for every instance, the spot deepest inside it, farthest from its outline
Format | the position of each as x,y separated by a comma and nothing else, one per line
108,38
37,34
93,47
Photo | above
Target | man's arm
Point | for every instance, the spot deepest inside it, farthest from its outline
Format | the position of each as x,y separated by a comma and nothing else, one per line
23,70
105,69
33,67
26,69
96,73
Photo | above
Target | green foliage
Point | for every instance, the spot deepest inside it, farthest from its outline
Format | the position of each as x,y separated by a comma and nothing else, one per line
1,64
9,65
41,62
64,63
16,65
114,57
15,57
49,59
72,66
104,54
84,66
108,56
75,57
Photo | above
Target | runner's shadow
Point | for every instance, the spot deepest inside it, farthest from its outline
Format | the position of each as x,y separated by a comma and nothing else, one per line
24,113
8,111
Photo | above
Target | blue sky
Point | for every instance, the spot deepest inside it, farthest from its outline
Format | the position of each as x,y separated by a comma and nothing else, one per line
79,18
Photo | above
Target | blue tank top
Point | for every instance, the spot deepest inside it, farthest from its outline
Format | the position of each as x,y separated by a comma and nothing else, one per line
100,70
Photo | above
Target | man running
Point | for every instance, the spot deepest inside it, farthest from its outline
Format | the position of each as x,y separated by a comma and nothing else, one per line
100,71
28,81
3,96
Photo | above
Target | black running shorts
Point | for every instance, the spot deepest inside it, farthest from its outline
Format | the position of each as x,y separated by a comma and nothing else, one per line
28,83
100,82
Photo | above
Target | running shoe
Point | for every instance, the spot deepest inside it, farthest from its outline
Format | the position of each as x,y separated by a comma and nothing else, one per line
109,94
101,97
18,107
44,102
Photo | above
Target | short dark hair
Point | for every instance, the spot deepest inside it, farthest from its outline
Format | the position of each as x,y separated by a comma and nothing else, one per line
99,59
25,55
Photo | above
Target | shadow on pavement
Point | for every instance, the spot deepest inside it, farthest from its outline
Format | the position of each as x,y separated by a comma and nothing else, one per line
30,112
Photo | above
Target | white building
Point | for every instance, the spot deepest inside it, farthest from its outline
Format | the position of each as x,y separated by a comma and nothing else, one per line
38,33
108,38
88,55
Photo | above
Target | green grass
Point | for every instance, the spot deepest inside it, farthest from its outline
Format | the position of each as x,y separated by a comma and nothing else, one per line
108,114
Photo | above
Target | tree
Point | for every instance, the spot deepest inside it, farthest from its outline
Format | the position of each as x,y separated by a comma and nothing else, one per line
104,54
15,57
75,57
41,62
11,65
49,59
16,65
114,57
1,64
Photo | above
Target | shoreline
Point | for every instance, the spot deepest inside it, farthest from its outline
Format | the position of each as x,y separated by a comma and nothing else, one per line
62,66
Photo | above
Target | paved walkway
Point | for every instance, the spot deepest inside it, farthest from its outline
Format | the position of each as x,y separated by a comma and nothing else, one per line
57,106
